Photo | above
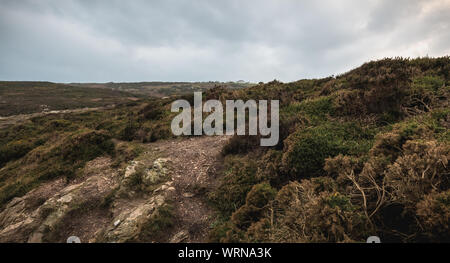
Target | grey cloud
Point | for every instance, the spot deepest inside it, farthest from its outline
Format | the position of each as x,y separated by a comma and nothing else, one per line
256,40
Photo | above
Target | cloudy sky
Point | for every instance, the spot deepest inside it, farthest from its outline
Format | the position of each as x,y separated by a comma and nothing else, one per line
202,40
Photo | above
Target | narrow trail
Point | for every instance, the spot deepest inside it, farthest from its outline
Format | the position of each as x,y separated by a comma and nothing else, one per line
194,163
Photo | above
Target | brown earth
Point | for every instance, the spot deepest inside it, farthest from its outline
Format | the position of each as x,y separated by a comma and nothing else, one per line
195,163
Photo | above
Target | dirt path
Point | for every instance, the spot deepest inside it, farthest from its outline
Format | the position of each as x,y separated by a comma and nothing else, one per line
194,165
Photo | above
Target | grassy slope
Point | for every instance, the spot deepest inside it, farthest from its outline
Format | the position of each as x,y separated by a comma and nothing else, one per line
58,145
364,153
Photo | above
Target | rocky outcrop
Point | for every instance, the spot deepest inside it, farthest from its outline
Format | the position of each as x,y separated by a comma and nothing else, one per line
70,198
137,176
31,217
15,222
157,174
105,204
36,217
180,237
128,224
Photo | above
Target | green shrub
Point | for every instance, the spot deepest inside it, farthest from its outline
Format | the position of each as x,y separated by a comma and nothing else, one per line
58,124
125,152
60,158
85,145
427,84
160,132
260,195
349,102
14,150
255,205
318,107
306,150
338,200
241,144
153,111
434,215
240,176
128,133
302,213
245,216
219,230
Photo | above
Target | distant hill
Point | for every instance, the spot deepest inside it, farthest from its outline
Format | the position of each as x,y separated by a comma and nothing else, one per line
163,89
24,97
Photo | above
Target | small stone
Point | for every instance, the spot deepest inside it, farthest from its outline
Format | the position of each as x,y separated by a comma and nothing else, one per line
188,195
65,199
131,169
117,222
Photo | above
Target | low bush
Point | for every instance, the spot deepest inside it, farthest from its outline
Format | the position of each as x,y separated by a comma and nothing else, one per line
255,205
241,144
306,150
15,150
301,213
240,176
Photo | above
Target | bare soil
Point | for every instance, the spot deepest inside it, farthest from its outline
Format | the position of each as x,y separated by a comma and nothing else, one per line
194,166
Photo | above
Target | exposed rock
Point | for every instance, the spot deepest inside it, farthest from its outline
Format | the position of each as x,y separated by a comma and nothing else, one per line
166,187
132,221
131,169
157,174
179,237
15,222
127,225
71,197
159,163
27,219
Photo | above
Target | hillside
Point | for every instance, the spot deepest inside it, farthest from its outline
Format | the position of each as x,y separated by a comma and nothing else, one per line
30,97
362,153
25,97
164,89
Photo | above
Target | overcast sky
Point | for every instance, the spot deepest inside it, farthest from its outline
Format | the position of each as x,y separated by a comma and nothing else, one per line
253,40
